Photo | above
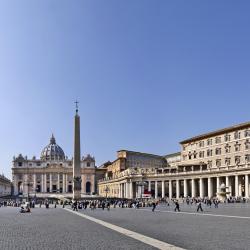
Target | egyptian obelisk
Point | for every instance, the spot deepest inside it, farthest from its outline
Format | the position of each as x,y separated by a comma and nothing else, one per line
77,158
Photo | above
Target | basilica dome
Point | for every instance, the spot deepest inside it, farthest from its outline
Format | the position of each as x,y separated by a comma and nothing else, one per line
52,152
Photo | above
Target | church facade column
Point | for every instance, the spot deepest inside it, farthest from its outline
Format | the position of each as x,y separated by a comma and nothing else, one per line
246,186
45,183
34,183
50,182
15,185
42,184
63,187
163,189
66,183
58,182
156,189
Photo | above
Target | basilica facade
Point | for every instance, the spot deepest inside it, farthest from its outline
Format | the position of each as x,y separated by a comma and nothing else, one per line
206,165
52,173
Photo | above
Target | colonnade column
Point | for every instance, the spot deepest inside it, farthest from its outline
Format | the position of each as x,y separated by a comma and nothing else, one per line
131,190
162,189
177,189
127,190
66,183
236,185
185,188
193,188
246,186
170,189
227,184
42,183
45,183
217,185
123,190
156,189
149,186
209,187
201,188
50,182
63,187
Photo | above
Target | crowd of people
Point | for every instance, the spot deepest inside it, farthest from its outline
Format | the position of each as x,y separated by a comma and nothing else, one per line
103,204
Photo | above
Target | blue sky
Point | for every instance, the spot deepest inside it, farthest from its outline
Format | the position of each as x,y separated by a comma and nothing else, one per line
148,74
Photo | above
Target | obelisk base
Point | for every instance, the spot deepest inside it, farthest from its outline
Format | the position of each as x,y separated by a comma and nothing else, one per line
77,188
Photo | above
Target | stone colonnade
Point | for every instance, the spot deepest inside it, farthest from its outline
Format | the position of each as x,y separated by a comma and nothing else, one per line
236,185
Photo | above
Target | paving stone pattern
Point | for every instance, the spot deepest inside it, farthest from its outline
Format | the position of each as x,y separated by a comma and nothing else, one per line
58,229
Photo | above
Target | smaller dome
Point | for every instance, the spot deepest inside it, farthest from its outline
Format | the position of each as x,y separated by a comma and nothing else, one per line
52,152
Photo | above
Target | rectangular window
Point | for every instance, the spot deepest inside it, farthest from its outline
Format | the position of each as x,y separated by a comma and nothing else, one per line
247,144
218,163
209,142
228,161
237,147
237,159
218,151
201,144
227,148
209,164
218,139
227,137
236,135
201,154
209,152
247,158
247,132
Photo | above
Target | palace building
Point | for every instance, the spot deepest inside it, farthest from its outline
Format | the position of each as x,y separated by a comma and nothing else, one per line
205,164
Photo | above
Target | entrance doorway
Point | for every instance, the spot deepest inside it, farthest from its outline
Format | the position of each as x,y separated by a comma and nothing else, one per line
88,187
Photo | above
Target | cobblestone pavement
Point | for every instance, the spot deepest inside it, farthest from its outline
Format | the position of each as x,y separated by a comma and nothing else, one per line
58,229
187,230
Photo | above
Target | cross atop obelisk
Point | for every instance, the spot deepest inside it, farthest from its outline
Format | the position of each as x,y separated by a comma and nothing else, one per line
76,102
77,157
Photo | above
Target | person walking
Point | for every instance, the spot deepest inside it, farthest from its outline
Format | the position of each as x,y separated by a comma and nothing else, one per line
153,206
199,207
177,206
